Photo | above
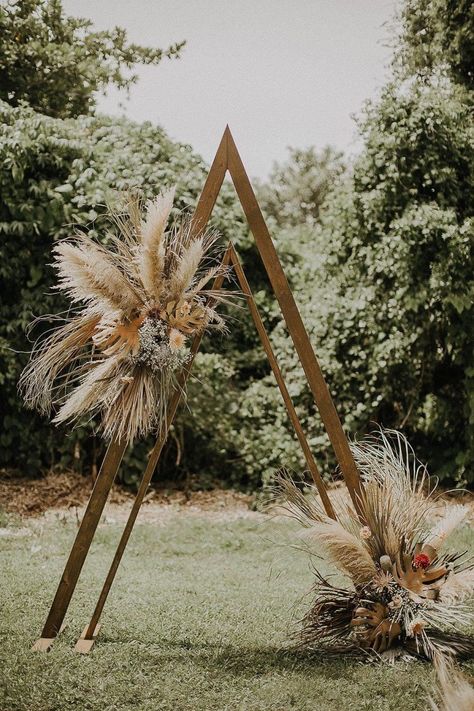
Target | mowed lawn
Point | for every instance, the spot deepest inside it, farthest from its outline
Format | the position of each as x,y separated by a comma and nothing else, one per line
199,618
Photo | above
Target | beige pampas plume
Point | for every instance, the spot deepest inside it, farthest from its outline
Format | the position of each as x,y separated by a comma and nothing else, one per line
454,515
187,265
455,691
345,550
86,274
153,252
458,587
91,392
119,355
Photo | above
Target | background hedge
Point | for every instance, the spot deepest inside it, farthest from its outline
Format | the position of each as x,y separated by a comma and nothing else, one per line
379,253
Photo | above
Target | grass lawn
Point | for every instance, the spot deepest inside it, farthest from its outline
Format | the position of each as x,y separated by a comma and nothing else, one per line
198,619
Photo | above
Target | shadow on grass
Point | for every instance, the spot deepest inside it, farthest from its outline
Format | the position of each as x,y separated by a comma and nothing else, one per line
240,660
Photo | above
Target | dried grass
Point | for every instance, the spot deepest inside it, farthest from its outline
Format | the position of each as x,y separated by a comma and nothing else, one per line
345,550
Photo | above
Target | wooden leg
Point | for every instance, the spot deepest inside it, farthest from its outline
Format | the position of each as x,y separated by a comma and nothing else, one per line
83,540
84,644
267,346
44,644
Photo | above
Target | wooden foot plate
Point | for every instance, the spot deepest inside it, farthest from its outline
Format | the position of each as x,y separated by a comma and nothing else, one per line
83,645
44,644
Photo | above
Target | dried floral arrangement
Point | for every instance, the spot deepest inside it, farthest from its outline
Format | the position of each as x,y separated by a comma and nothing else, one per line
407,592
136,300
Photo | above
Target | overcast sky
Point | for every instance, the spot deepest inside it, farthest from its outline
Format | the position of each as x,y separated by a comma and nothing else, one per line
279,72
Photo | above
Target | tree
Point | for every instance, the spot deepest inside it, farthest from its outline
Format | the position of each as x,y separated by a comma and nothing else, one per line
57,65
399,276
297,188
54,174
388,279
438,34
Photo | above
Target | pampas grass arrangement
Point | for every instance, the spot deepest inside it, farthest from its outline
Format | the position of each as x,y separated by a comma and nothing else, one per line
405,591
135,303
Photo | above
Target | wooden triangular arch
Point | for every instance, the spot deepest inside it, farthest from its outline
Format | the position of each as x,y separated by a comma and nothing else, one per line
227,159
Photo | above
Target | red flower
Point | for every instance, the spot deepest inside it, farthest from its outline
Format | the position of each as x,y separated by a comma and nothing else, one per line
421,561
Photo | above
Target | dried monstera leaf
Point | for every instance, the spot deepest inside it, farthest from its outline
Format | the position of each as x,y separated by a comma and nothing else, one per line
423,582
373,627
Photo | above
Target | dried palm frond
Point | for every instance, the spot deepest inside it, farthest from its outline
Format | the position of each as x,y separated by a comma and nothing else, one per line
407,592
138,298
292,494
327,624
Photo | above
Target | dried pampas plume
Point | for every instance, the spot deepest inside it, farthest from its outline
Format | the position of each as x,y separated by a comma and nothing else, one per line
137,299
455,691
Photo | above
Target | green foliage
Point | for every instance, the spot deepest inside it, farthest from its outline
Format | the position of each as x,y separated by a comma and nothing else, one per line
436,33
297,188
56,64
55,173
390,310
386,279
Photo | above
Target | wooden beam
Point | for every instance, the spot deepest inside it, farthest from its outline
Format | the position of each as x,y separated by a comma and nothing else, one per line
44,644
294,322
84,644
211,188
83,540
267,346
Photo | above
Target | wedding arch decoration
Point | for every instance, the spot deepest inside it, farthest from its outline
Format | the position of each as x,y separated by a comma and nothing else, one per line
126,355
404,590
140,297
